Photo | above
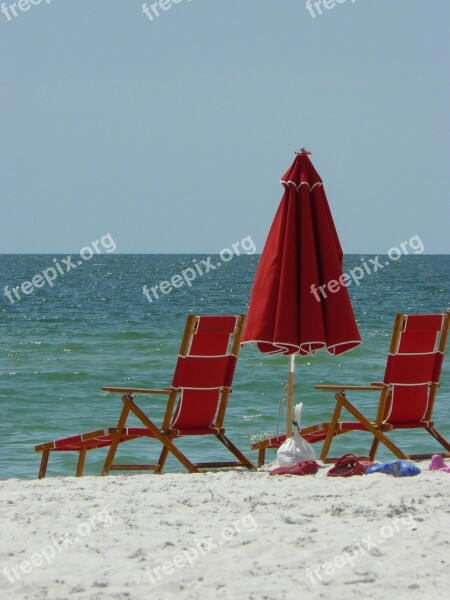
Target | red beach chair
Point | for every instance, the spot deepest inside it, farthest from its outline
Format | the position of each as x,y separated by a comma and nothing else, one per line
407,393
408,390
196,406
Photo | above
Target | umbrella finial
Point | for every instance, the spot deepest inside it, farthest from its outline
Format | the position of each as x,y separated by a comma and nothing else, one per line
303,151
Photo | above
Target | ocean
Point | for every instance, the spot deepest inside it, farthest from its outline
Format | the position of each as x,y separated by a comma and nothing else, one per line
93,326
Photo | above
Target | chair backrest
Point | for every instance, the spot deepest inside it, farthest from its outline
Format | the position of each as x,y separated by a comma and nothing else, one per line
204,371
414,366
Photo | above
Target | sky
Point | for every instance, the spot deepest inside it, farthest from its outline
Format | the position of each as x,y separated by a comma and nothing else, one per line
171,132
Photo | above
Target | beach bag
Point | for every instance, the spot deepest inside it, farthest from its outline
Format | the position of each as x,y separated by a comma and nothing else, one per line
295,449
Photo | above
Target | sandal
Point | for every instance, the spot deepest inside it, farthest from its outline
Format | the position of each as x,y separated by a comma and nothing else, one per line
304,467
348,465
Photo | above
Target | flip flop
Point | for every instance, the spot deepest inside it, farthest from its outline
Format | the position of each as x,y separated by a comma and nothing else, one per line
348,465
280,471
304,467
397,468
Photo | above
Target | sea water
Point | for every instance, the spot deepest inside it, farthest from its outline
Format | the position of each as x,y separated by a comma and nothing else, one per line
60,343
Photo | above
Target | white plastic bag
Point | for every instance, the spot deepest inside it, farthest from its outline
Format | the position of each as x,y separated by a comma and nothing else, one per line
295,448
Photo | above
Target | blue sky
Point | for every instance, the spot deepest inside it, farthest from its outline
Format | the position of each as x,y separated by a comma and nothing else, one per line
172,134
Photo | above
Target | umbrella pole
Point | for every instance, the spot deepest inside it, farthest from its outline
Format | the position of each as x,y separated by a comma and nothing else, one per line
290,399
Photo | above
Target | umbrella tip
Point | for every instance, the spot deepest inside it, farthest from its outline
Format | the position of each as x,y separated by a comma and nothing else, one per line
302,151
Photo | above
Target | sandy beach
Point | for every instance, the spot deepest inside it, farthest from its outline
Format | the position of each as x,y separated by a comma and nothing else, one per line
226,535
211,197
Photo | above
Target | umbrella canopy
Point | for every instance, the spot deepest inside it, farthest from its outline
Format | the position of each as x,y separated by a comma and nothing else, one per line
299,302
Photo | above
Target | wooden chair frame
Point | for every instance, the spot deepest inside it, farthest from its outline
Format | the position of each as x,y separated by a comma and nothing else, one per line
166,435
49,446
327,431
380,427
114,436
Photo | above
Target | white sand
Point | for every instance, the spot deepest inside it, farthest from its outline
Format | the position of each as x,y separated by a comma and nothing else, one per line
226,535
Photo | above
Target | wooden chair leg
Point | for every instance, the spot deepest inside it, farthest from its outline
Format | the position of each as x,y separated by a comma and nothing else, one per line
332,427
164,439
162,459
438,437
261,457
80,464
234,450
116,440
44,463
374,448
370,427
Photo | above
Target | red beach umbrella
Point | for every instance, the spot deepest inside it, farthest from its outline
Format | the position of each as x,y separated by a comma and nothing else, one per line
299,302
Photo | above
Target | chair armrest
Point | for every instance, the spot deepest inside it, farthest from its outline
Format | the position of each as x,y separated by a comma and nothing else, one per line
119,390
342,388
